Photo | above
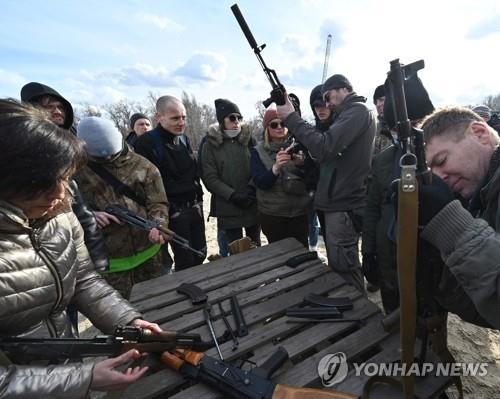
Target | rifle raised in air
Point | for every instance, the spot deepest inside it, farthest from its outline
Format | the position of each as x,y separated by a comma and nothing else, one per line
127,216
277,94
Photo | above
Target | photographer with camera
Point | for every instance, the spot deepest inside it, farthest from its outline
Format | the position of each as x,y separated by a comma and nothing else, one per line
278,171
344,156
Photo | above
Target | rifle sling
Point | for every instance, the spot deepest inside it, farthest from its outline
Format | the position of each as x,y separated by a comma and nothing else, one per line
120,187
407,265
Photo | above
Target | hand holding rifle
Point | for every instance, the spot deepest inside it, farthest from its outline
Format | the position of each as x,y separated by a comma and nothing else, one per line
125,215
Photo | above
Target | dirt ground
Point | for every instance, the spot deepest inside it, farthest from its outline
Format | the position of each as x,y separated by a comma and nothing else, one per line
468,343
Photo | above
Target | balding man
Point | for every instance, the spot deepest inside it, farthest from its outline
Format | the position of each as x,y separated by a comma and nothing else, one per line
171,152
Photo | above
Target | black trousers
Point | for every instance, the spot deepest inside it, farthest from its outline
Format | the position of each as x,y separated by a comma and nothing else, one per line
277,228
252,231
190,224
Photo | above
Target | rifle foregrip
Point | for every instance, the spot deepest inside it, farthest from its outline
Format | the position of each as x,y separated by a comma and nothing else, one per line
289,392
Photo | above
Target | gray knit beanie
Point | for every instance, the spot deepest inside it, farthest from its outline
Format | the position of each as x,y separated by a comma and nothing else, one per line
101,136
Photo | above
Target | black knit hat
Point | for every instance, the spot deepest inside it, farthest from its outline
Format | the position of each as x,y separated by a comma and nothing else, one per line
379,92
224,107
337,81
134,118
33,91
418,103
316,98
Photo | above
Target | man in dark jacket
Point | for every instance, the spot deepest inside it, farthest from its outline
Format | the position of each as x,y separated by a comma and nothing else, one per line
140,124
61,113
344,156
167,148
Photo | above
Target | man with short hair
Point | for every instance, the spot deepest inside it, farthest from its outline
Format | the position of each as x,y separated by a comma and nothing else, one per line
171,152
140,124
344,155
463,152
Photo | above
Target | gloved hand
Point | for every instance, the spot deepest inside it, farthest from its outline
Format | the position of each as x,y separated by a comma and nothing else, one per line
251,193
241,200
369,268
432,198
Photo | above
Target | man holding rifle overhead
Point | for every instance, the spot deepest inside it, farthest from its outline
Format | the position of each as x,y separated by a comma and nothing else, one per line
344,155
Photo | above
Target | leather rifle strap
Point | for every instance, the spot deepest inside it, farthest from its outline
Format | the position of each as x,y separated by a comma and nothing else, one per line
407,265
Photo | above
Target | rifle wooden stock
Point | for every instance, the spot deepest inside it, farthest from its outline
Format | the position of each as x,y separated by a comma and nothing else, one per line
290,392
229,379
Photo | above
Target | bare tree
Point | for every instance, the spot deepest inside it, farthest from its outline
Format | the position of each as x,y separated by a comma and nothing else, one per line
121,111
198,118
493,102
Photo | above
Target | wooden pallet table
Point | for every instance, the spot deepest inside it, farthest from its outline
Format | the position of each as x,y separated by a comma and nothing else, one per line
265,288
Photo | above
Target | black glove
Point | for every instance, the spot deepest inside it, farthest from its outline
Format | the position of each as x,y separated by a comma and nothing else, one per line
241,200
251,192
432,198
369,267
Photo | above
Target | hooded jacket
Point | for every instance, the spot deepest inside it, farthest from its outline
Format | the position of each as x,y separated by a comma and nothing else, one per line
45,266
343,153
226,169
31,92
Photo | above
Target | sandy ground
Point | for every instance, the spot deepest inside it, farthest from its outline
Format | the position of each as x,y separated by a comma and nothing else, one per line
468,343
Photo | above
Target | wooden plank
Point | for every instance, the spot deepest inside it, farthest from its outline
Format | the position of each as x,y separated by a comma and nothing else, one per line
311,337
157,287
157,306
184,309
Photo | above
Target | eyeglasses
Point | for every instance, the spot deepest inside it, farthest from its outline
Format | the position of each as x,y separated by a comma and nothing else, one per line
274,125
234,118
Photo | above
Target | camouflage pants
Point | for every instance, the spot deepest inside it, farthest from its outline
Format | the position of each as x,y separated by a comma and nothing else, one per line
124,281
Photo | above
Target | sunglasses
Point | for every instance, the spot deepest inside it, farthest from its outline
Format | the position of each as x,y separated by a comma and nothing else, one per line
274,125
234,118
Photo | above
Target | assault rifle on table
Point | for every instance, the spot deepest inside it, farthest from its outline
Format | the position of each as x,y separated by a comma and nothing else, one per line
277,94
237,383
127,216
124,339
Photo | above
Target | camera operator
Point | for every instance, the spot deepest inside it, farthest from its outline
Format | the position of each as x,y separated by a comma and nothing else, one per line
344,155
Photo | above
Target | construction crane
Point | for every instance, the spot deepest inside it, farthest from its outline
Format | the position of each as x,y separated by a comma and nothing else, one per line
327,57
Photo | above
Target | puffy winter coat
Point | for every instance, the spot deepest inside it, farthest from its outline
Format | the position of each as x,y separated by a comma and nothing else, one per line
44,265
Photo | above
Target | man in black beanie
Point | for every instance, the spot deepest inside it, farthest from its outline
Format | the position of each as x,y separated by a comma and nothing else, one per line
383,137
344,155
140,124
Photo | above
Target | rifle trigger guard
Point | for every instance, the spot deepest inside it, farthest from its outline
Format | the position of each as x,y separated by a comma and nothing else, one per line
408,164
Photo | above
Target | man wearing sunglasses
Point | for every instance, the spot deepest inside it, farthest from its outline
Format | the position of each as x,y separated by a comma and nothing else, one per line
344,155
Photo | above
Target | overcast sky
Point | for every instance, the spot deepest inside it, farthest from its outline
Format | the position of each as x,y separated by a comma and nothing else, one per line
101,51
